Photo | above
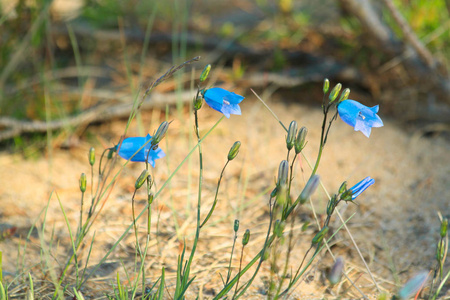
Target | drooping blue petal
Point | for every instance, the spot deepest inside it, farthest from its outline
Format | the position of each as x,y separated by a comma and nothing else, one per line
359,116
130,146
223,101
361,186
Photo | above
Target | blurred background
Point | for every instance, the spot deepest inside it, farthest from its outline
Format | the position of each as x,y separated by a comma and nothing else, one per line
65,64
70,71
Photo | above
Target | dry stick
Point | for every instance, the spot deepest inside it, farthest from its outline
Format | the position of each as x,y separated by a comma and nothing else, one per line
315,216
409,34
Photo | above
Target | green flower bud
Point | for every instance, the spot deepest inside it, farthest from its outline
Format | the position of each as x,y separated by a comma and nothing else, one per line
83,182
320,235
344,95
246,237
334,92
198,102
326,85
150,198
292,131
205,73
309,189
274,193
141,179
335,274
236,225
283,170
343,187
234,150
279,228
92,156
444,225
305,226
160,133
300,141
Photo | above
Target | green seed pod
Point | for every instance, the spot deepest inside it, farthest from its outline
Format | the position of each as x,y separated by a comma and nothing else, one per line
141,179
92,156
150,198
320,235
160,133
283,171
444,226
292,131
326,85
205,73
234,150
309,189
246,237
83,182
334,92
344,95
236,225
300,141
343,187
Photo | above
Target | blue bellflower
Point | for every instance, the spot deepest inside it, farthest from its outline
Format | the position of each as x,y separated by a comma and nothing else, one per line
131,145
223,101
359,116
360,187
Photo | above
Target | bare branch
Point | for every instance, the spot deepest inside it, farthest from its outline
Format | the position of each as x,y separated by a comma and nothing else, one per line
409,34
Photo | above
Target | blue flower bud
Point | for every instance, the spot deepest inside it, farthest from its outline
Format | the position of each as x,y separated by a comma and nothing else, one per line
283,171
335,274
300,141
413,285
292,131
309,189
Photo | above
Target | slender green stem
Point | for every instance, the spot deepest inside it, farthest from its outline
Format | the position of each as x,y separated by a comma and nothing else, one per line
240,267
231,259
322,144
215,197
265,247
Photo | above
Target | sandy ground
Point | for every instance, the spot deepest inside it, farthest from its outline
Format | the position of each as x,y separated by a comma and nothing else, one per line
396,223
